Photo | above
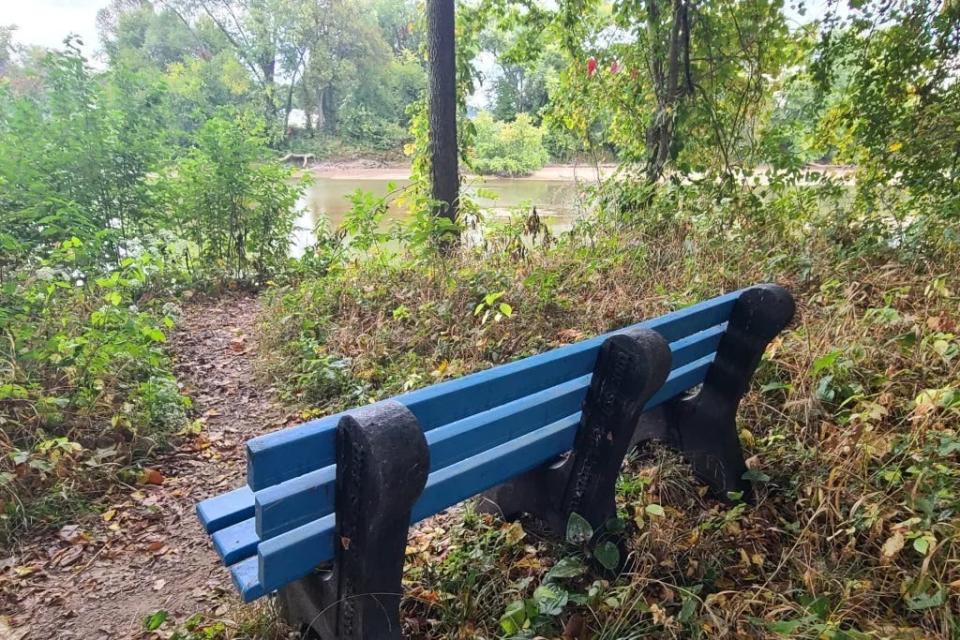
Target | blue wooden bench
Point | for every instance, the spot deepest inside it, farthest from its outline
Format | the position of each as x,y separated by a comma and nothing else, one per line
324,516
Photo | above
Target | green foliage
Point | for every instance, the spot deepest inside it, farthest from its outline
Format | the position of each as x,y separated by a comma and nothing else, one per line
507,148
98,220
76,162
898,116
231,200
85,383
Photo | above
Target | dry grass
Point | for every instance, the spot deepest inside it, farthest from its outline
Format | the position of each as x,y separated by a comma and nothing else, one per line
852,424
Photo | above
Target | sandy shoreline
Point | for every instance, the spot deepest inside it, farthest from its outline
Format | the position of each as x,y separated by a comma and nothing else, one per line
372,170
400,170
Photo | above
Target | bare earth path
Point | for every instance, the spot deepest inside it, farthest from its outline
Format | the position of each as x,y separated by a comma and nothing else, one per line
147,552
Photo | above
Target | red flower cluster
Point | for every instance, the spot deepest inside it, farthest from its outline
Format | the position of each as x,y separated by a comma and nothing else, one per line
591,66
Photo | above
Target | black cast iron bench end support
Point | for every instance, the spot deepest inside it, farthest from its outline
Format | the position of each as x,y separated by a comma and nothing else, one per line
703,426
382,467
629,370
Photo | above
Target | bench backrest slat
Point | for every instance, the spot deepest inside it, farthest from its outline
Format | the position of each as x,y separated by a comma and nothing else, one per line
292,452
293,503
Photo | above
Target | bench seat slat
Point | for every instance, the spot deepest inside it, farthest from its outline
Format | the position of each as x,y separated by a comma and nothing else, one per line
246,577
236,542
226,509
293,554
285,454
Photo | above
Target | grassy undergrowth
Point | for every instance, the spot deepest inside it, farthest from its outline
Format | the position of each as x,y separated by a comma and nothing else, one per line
851,425
87,389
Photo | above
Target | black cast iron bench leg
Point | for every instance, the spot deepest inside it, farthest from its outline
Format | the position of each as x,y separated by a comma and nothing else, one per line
382,466
703,426
629,370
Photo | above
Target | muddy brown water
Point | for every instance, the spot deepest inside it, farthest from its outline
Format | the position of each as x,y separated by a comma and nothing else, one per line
559,202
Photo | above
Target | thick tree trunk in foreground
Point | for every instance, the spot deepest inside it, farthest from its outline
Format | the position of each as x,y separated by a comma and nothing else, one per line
442,106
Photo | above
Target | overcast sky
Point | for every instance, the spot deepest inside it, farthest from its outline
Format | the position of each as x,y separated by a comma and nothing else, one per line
48,22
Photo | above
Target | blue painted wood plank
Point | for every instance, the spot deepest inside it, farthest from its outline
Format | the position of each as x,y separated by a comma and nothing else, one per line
236,542
482,431
246,577
476,474
688,320
225,509
291,452
296,553
296,502
696,346
286,454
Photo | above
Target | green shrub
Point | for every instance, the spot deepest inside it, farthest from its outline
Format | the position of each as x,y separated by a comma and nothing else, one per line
234,202
365,128
508,148
85,384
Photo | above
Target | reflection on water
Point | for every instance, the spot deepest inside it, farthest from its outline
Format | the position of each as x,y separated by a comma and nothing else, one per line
557,201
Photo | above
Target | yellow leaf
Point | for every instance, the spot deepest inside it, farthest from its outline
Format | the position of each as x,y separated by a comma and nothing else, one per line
514,532
108,515
893,545
895,146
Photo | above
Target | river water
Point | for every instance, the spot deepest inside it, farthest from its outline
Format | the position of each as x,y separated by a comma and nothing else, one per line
558,201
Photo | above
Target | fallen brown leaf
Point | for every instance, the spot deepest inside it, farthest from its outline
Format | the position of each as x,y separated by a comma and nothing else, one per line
575,629
7,632
151,476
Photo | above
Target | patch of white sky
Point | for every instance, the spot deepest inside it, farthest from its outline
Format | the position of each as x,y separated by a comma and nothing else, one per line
46,23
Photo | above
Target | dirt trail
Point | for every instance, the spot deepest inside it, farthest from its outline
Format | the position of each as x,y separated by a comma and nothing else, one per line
148,552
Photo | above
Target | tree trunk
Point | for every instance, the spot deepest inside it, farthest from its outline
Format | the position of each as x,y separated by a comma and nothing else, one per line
442,107
321,116
666,84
